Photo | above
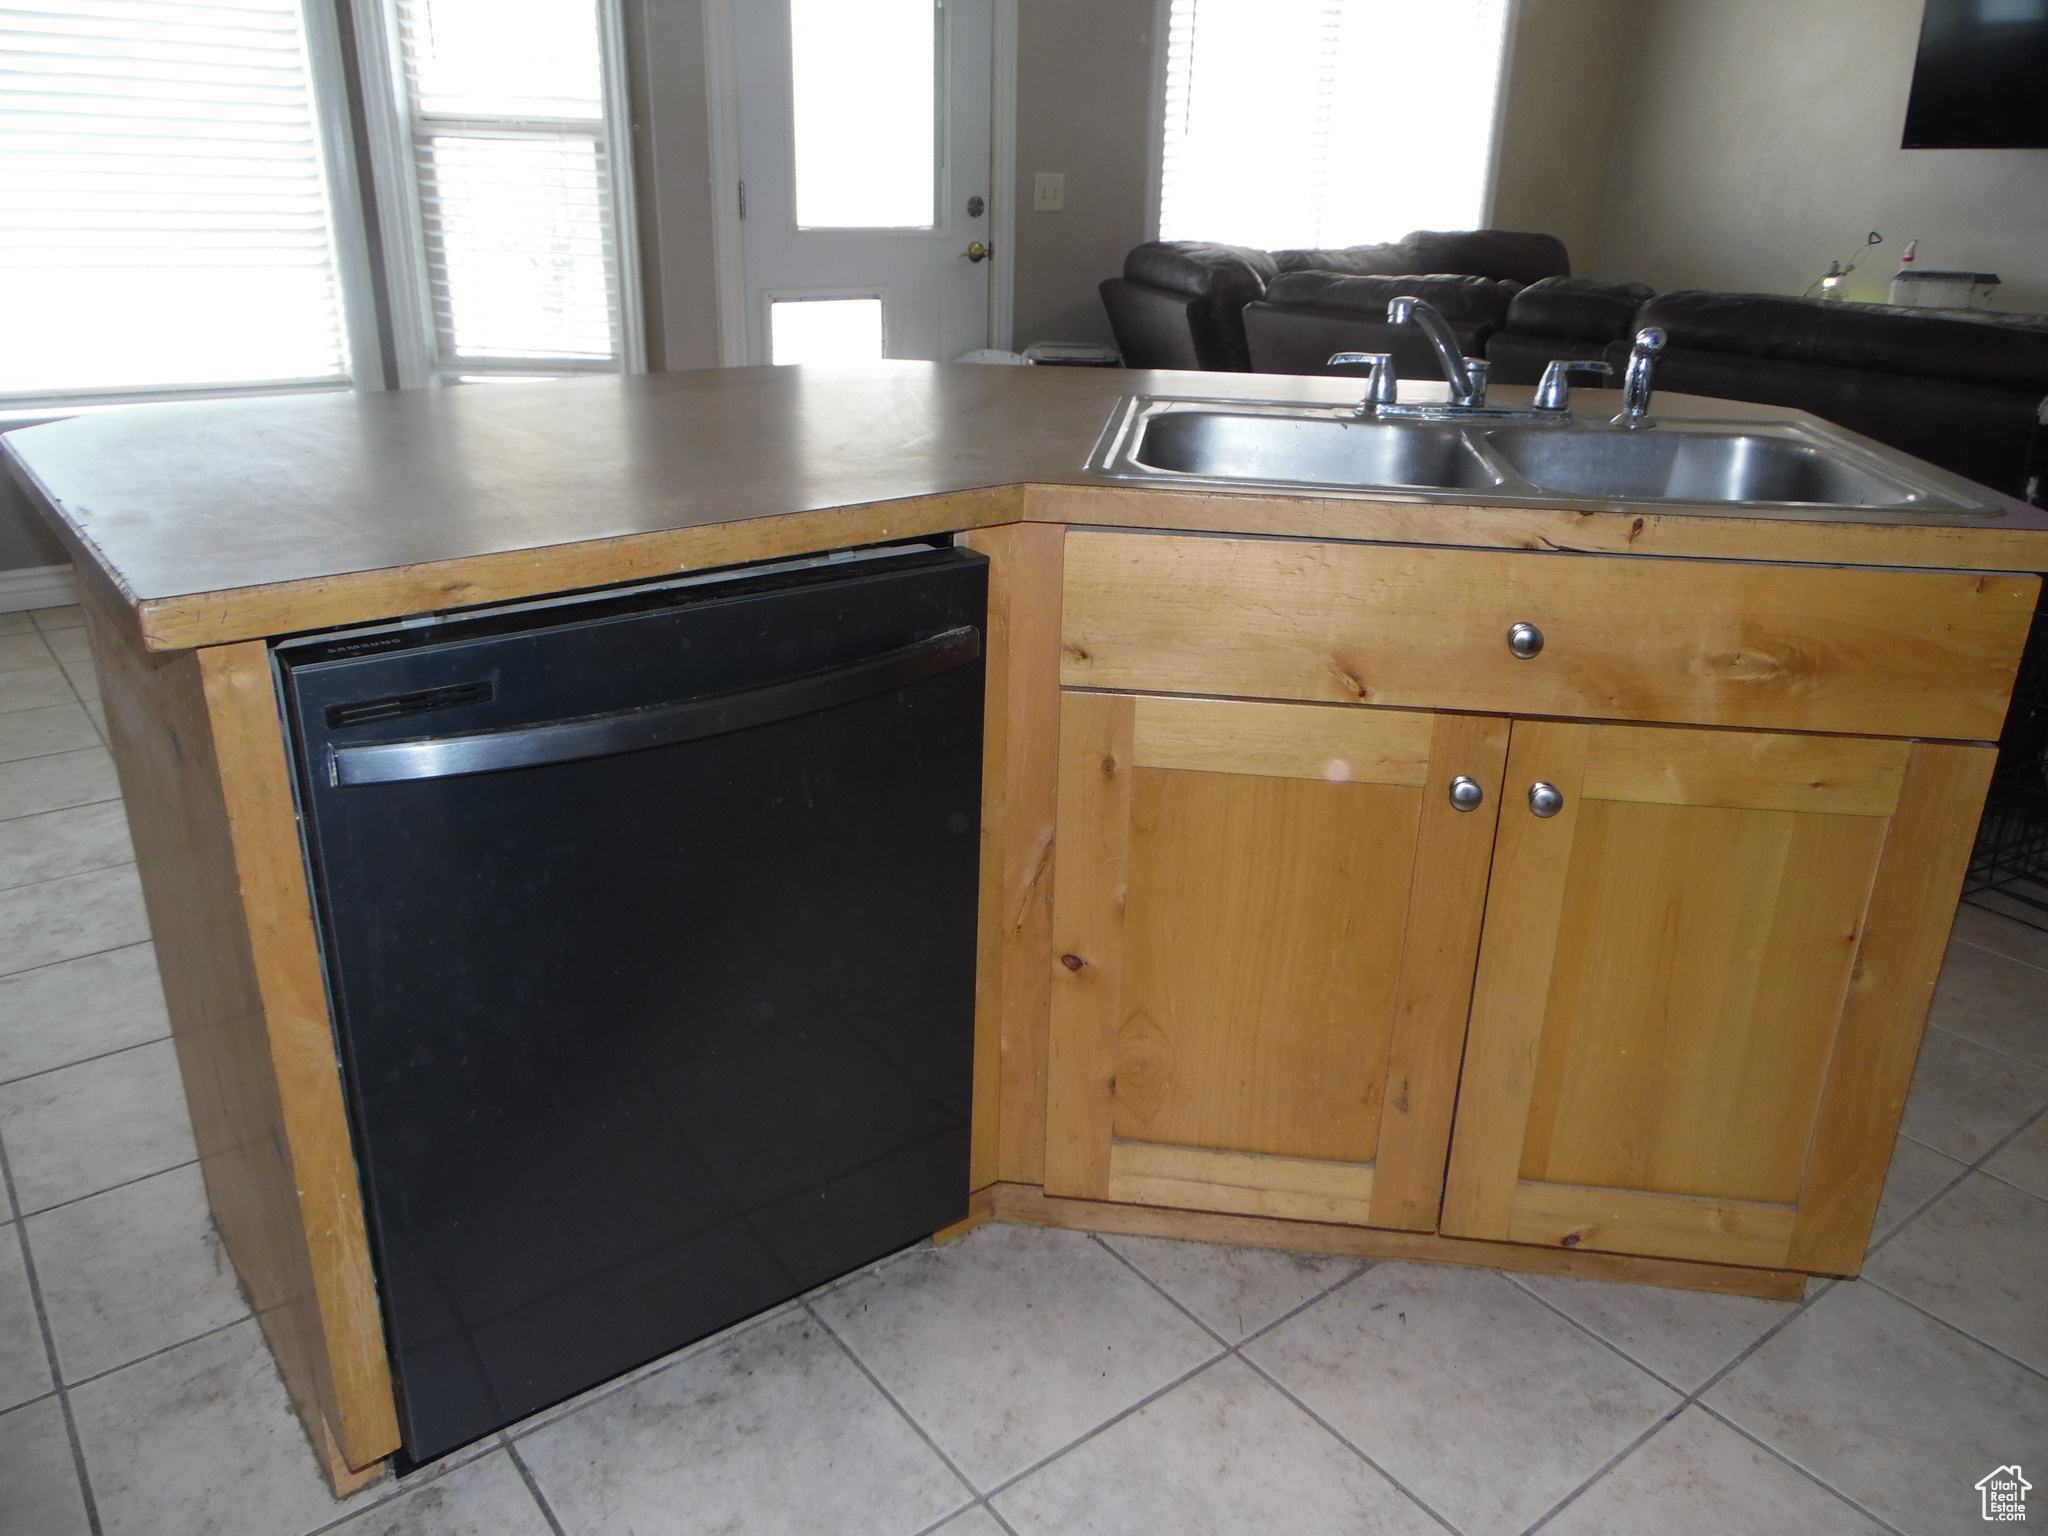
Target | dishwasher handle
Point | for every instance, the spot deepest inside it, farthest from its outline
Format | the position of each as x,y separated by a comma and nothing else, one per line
654,725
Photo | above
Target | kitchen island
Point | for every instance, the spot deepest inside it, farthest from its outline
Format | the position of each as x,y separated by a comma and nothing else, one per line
1289,991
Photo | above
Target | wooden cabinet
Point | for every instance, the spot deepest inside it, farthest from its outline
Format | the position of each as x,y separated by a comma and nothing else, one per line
1264,926
1694,990
1664,995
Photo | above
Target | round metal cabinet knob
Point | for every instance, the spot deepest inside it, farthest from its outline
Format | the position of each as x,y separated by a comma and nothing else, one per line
1545,799
1466,795
1525,640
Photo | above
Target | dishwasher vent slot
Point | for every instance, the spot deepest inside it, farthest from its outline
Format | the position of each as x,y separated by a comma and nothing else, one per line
364,711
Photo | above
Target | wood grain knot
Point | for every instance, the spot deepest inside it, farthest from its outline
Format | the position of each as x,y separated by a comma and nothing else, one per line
1072,962
1571,1239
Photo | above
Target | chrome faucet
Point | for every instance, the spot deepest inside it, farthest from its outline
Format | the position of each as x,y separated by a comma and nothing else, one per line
1635,383
1382,388
1465,375
1554,393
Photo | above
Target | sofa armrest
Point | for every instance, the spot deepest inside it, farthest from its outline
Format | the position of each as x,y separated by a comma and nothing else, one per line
1156,328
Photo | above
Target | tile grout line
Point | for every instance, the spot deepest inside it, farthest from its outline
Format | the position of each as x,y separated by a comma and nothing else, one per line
1941,1029
396,1488
1077,1441
1987,949
547,1510
542,1419
975,1495
48,965
1547,1304
1950,1187
1697,1397
1235,1351
1957,1329
119,1050
124,864
61,1390
44,1210
161,1350
1687,1400
95,745
1812,1477
58,810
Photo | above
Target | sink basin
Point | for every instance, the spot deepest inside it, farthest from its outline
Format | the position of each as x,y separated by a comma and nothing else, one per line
1664,464
1316,450
1784,469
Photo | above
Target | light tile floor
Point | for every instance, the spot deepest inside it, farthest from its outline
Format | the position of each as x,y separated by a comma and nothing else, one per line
1024,1381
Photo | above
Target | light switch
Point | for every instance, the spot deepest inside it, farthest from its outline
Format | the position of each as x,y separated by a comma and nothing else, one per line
1049,192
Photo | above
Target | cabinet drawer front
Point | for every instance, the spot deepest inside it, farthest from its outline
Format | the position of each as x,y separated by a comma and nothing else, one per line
1873,652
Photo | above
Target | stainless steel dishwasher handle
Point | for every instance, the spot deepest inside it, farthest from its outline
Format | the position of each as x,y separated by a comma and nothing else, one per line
657,725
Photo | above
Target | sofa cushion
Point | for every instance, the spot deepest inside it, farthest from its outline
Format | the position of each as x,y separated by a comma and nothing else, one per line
1973,429
1578,308
1353,260
1870,337
1519,256
1224,273
1462,300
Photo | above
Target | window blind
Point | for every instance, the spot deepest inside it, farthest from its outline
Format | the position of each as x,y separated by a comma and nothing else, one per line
505,112
1295,123
164,218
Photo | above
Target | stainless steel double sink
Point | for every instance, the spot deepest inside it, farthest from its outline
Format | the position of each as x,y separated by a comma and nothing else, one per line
1787,467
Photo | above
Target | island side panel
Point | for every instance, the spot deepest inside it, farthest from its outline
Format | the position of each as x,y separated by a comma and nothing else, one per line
1905,940
1019,785
201,754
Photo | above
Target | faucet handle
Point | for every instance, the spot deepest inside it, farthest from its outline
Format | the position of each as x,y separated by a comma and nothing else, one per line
1477,371
1381,386
1555,392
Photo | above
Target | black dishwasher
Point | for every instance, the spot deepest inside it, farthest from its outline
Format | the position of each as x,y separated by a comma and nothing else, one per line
650,926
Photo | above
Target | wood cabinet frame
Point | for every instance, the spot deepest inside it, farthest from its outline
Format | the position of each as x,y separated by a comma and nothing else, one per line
1106,742
1907,840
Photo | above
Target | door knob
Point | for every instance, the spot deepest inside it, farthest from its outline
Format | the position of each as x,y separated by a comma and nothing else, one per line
979,252
1466,795
1545,800
1525,640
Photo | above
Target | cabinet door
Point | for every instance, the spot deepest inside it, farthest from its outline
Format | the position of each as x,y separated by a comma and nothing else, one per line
1701,988
1265,920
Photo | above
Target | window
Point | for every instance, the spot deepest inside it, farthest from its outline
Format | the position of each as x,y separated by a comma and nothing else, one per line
509,237
170,225
183,212
865,90
1295,123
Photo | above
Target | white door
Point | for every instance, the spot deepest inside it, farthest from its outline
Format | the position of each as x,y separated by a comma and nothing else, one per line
864,171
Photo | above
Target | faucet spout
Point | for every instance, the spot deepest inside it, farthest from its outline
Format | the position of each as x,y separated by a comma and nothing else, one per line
1467,381
1636,382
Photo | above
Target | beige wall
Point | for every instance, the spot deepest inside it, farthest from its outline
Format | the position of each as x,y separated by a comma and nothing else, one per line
1755,140
672,180
1084,107
1557,120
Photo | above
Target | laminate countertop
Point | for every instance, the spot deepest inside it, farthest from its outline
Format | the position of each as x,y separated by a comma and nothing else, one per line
235,519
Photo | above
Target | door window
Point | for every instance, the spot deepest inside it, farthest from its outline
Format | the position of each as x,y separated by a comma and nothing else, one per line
834,331
864,76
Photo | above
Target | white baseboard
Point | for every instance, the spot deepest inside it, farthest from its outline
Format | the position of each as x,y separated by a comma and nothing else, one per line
37,586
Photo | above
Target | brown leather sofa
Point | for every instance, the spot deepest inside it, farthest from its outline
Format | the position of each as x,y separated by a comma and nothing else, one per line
1964,389
1181,303
1305,317
1563,317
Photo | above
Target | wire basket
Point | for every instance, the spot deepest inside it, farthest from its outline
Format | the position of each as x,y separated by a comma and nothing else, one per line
2009,866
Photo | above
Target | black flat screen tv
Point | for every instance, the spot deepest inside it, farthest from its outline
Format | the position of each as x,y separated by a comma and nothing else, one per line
1981,79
